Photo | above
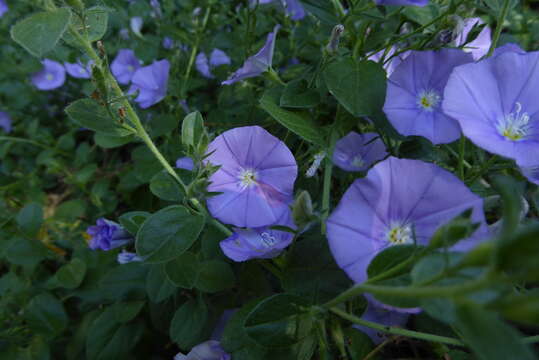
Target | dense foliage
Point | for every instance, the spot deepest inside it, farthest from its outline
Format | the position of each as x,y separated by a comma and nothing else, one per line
251,180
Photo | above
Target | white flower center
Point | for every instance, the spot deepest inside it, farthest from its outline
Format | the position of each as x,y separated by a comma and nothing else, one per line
247,177
514,126
357,161
428,100
400,234
267,239
49,77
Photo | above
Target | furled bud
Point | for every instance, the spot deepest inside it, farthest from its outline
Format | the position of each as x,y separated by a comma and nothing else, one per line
333,44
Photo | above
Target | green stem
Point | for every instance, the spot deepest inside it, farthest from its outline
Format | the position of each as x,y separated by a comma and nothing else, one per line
412,291
486,166
396,330
214,222
394,270
328,170
339,8
130,112
499,27
31,142
462,149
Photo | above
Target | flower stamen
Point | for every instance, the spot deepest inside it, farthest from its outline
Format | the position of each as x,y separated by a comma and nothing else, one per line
400,234
428,100
247,178
514,126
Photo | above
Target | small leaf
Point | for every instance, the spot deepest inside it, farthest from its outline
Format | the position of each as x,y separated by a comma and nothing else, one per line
164,186
96,20
158,286
71,275
192,129
296,94
133,220
168,233
184,270
359,86
45,314
214,276
30,218
90,114
188,323
39,33
294,122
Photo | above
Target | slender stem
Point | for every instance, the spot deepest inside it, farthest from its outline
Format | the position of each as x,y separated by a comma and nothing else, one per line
271,268
339,8
499,27
412,291
328,170
394,270
486,165
31,142
462,149
531,339
214,222
454,153
130,112
396,330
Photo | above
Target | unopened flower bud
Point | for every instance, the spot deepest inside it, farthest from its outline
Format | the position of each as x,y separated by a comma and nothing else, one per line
333,44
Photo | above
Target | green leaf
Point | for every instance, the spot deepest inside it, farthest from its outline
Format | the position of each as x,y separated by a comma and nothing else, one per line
96,20
359,86
127,310
279,321
133,220
301,126
522,306
296,94
107,141
168,233
214,276
192,129
26,252
390,257
184,270
164,186
30,218
46,315
158,286
359,344
90,114
488,336
71,275
188,323
39,33
124,279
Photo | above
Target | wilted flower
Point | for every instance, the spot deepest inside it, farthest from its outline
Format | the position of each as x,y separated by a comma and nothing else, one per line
126,257
5,121
3,8
136,25
107,235
257,243
402,2
480,45
315,165
356,152
151,81
399,201
380,316
208,350
256,177
258,63
52,76
77,70
124,66
495,103
185,163
415,93
394,60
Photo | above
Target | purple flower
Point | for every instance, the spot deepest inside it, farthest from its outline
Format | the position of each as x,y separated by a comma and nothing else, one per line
124,66
77,70
217,57
294,9
415,93
136,25
185,163
380,316
257,243
156,8
258,63
126,257
256,177
398,200
151,81
107,235
168,43
52,76
5,121
495,103
208,350
356,152
394,61
480,45
531,173
509,47
3,8
402,2
124,34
